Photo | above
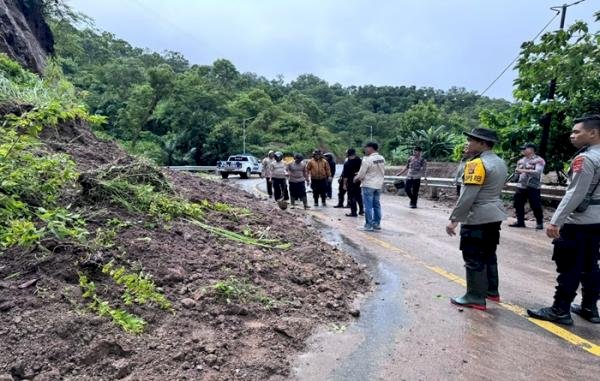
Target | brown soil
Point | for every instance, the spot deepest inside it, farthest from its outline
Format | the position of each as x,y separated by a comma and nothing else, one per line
48,333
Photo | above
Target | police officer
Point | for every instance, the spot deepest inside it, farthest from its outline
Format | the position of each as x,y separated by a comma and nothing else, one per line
480,211
530,169
575,228
278,173
266,165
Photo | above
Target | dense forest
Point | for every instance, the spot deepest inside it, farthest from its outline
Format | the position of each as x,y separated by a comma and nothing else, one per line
161,106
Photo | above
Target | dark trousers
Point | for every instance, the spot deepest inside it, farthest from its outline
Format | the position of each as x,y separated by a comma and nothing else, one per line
319,188
478,244
329,190
355,198
535,201
269,187
341,192
576,256
412,190
280,189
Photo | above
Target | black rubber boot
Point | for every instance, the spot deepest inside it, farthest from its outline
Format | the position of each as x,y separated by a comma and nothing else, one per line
477,285
552,314
493,281
589,313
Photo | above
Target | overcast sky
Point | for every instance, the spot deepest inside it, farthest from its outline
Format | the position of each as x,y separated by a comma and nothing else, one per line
436,43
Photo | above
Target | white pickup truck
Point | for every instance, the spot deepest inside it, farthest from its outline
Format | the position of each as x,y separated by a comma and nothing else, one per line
243,165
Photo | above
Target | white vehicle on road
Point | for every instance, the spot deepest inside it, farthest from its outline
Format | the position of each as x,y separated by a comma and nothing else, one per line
243,165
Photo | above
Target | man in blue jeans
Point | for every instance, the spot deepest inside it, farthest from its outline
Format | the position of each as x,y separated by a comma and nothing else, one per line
370,175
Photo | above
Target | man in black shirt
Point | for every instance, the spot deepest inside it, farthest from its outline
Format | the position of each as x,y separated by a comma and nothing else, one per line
351,168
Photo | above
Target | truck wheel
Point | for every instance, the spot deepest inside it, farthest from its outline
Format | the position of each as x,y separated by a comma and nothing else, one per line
246,174
224,175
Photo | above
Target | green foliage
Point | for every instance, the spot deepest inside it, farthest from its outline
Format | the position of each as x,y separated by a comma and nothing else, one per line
437,142
31,179
62,224
19,233
148,195
139,288
128,322
20,86
572,58
242,291
161,107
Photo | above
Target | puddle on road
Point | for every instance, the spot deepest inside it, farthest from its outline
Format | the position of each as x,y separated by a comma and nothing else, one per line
371,337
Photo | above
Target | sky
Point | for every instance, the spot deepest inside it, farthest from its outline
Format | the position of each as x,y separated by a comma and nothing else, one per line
425,43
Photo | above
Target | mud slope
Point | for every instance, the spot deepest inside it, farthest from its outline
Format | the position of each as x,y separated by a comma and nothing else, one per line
48,331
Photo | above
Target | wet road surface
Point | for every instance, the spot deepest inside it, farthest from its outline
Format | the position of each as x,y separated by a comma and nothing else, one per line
408,330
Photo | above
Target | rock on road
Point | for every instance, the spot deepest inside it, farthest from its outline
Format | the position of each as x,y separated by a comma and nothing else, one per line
408,330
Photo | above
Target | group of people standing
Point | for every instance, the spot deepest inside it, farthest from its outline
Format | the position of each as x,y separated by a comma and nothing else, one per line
361,179
574,227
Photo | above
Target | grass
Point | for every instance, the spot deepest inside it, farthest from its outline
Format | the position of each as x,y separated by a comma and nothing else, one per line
241,290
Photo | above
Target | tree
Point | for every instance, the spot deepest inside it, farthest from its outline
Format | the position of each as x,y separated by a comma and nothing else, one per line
437,142
572,58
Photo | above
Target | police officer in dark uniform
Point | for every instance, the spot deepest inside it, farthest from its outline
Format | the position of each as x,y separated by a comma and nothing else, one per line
575,228
480,211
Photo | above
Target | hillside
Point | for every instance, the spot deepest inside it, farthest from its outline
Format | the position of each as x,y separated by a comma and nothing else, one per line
173,111
113,268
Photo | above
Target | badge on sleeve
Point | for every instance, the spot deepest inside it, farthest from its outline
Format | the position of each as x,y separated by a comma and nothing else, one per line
577,164
474,172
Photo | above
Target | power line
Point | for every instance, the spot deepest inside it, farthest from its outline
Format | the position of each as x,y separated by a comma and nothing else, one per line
518,55
558,10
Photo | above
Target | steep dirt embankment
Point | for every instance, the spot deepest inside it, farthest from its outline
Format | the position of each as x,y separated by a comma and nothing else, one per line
237,310
24,35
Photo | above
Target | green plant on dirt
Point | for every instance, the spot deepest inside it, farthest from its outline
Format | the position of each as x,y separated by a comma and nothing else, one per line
241,290
242,238
128,322
141,188
226,208
105,236
32,179
139,288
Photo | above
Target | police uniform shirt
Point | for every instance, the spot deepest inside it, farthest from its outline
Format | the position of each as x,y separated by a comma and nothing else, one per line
416,167
479,201
584,174
534,179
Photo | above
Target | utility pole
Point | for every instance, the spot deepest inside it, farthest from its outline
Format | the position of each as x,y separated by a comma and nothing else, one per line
244,132
371,127
546,120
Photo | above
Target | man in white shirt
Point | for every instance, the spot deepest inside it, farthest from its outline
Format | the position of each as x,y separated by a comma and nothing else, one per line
371,175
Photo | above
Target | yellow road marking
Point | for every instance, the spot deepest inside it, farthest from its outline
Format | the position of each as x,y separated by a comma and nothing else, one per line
518,310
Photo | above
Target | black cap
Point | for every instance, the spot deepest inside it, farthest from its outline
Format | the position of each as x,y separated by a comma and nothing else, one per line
528,145
373,145
484,134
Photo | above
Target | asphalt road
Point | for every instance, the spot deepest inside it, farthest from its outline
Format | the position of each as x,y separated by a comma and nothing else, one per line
408,330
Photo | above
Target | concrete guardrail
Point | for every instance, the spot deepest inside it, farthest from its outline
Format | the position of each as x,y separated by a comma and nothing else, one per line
549,192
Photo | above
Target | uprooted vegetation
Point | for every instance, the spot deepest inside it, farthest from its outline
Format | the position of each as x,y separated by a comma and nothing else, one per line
111,267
